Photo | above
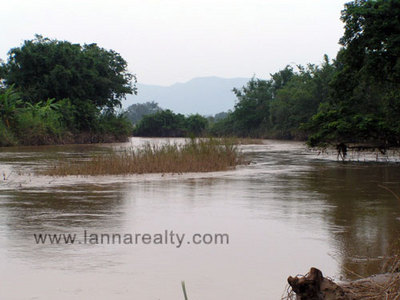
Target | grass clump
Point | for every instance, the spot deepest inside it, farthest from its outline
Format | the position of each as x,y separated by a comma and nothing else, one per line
195,155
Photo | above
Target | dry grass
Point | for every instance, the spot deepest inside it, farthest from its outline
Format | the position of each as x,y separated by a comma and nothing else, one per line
201,155
385,286
380,286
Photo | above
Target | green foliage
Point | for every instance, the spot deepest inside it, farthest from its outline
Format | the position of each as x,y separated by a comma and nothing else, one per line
137,111
166,123
355,99
40,123
371,39
364,106
10,102
221,115
213,121
195,124
6,136
91,77
278,107
252,109
54,91
42,68
115,124
161,124
27,123
52,122
69,113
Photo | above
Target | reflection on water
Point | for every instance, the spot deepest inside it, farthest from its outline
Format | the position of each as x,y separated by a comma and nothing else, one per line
285,212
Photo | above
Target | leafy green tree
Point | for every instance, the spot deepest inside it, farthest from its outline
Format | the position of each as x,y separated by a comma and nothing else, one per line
137,111
364,106
217,118
281,78
195,124
252,108
298,100
279,107
161,124
116,124
166,123
221,115
91,77
223,127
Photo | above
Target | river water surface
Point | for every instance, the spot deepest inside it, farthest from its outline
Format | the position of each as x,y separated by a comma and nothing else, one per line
288,210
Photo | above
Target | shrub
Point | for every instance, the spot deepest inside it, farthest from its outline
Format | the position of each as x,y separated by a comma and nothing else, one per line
6,136
117,125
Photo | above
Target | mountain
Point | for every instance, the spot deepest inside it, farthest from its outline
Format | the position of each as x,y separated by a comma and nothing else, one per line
203,95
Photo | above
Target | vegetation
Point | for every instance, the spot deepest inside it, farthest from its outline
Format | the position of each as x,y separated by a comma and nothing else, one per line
166,123
136,112
55,92
364,105
196,155
354,99
278,107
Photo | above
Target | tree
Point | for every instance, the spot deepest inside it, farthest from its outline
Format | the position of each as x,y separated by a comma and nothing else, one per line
278,107
298,100
371,39
166,123
91,77
252,108
195,124
137,111
364,106
161,124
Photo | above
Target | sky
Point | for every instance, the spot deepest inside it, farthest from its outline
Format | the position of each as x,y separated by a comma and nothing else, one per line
169,41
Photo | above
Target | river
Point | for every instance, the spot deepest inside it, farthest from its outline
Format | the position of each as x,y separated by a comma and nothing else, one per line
288,210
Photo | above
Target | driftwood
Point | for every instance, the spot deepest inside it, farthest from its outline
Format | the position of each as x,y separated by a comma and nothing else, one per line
314,286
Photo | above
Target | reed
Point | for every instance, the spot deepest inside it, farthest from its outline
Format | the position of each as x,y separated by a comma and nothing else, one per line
195,155
184,290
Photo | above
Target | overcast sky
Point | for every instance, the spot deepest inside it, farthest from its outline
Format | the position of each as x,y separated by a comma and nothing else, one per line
168,41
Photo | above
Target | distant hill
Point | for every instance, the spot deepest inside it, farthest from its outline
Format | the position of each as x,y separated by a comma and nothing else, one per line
203,95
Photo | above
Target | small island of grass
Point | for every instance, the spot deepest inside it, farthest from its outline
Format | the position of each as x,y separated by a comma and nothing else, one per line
195,155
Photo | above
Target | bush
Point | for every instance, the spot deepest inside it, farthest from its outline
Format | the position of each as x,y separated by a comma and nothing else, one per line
6,136
168,124
195,124
34,129
161,124
116,125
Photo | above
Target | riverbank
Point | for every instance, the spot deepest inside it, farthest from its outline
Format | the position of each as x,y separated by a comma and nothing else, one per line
31,135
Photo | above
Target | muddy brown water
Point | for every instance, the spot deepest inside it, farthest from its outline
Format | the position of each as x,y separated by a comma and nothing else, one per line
286,211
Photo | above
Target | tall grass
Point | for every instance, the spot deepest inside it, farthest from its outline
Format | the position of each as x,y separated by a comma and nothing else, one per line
196,155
